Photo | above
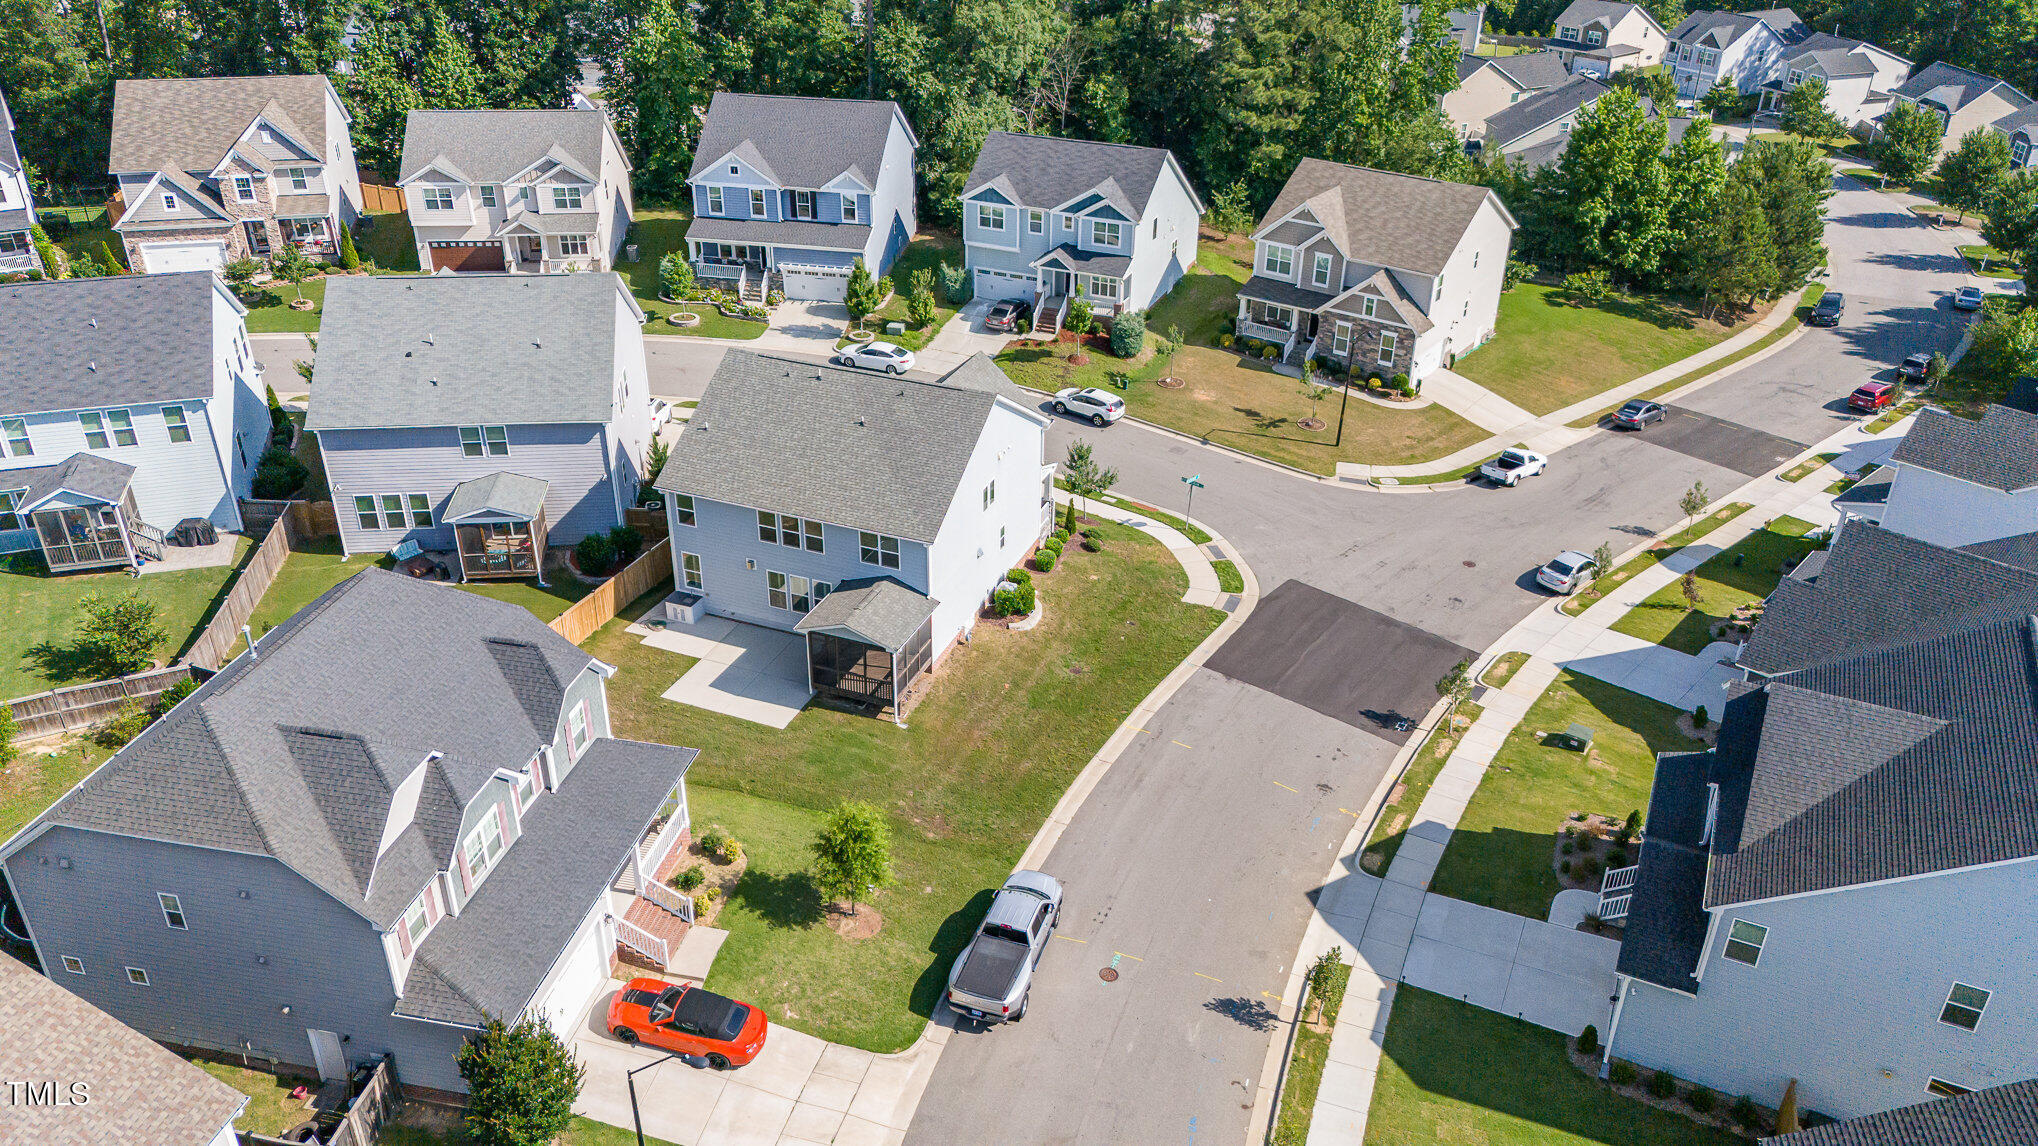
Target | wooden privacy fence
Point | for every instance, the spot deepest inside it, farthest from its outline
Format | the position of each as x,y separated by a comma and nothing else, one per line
377,199
311,519
80,705
378,1104
600,607
649,522
223,632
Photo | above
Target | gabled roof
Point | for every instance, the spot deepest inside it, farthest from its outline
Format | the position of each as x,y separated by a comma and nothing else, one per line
1836,63
1068,256
460,350
197,207
1666,924
1401,221
797,141
2004,1115
1953,87
122,339
846,447
1378,282
295,752
500,494
189,124
1715,27
492,146
1532,71
2000,450
1541,110
1048,171
878,610
1826,41
10,155
139,1092
1788,25
1582,12
86,475
2023,119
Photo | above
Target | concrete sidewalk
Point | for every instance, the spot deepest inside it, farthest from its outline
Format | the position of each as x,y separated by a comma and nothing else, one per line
1204,588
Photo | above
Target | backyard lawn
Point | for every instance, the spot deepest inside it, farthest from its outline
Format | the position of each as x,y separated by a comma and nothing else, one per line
657,231
1741,574
388,242
966,784
1451,1072
39,776
269,307
1549,353
1500,853
270,1110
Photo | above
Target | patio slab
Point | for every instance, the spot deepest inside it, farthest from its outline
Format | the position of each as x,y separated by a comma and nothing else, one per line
742,670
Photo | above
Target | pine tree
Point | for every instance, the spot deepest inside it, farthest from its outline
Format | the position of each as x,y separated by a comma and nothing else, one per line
1695,171
1732,258
862,295
662,79
1792,182
349,257
447,76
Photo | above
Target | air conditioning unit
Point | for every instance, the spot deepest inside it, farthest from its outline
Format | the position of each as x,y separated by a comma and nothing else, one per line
686,608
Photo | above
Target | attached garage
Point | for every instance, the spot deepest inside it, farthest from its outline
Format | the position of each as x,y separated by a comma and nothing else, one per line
1002,284
814,283
581,974
484,255
199,255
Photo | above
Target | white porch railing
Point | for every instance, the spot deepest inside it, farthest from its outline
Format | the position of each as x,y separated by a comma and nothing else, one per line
676,902
643,942
1616,892
1247,328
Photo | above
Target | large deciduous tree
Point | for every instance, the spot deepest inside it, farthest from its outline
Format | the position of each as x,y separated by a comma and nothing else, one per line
1732,259
1909,142
1695,177
2012,223
1805,112
660,80
1971,172
1615,190
1792,183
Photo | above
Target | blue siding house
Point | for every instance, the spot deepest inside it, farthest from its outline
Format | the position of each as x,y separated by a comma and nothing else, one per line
788,192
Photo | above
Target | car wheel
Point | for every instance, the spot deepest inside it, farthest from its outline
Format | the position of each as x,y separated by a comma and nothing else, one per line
1097,420
1021,1012
893,370
1061,408
624,1034
718,1062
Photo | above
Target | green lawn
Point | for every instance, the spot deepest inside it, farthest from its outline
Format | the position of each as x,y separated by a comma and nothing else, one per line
1229,579
1548,353
388,242
269,307
1407,796
270,1109
926,252
1743,573
1499,855
1806,301
579,1132
966,784
1986,260
1807,467
1585,598
657,231
85,242
39,776
1451,1072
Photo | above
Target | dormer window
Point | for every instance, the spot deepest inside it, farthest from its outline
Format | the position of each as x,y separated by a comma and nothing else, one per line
757,202
169,202
566,198
803,204
484,845
1567,33
1278,261
849,208
417,918
300,178
268,136
579,734
1595,37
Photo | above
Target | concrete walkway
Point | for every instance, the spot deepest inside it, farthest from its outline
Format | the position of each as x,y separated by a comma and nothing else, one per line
1203,584
1473,402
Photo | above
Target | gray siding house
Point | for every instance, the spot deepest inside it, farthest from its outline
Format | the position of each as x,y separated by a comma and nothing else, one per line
397,816
1963,100
1046,219
1745,49
788,192
428,388
17,207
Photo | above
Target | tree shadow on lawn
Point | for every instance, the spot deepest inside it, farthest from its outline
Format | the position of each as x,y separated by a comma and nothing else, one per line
791,900
1664,314
64,664
949,940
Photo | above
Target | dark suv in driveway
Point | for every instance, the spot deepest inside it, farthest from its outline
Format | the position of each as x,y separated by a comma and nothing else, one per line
1827,313
1009,314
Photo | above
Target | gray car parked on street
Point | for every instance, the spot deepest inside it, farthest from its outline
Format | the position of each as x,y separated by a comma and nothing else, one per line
992,976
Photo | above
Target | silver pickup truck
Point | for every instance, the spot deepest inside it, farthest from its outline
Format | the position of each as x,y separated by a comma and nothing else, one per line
991,978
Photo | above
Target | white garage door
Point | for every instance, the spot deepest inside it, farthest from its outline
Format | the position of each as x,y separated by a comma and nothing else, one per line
1002,284
159,258
582,974
823,284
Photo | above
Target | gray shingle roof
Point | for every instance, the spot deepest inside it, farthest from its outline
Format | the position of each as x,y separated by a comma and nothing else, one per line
301,206
1283,293
1072,257
140,1092
789,232
293,753
2023,119
1047,171
1955,87
1542,109
879,610
101,479
1401,221
1533,71
2004,1115
847,447
500,493
1666,922
798,141
190,124
1999,451
61,348
490,959
10,155
490,146
1723,27
454,350
552,222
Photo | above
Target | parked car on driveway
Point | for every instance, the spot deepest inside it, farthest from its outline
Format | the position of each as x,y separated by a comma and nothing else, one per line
1101,407
661,413
1831,306
878,356
1513,465
687,1020
1967,298
1914,366
1009,314
1639,413
1567,572
1872,396
991,978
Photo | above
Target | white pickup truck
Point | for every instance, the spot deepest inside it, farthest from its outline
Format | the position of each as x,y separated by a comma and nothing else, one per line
991,978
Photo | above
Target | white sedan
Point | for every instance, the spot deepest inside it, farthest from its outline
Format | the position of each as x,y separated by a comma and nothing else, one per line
877,356
1512,466
1099,407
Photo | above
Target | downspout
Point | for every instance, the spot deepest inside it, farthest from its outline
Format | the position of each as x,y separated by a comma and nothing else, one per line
1620,1000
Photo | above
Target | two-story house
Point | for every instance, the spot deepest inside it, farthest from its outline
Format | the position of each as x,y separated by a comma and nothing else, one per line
1959,481
1390,274
127,404
1745,49
1963,100
1859,76
1047,219
17,208
1488,85
537,190
1842,892
212,170
481,414
2021,128
796,483
1466,24
1601,37
1535,131
789,192
400,814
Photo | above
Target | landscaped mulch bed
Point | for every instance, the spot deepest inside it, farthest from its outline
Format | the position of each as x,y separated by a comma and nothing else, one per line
721,874
1593,851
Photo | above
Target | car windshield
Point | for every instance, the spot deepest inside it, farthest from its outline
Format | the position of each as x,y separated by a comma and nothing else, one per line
1832,302
662,1009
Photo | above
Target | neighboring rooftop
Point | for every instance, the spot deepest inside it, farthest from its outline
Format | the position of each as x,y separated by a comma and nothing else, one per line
1542,109
2004,1115
190,124
455,350
121,339
799,141
1714,27
1999,450
1048,171
136,1090
1953,87
1666,924
1531,71
492,146
1405,222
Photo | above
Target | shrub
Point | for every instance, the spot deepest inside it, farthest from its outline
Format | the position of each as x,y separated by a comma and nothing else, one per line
1588,1040
1060,534
732,852
626,542
1592,286
1018,576
853,851
1569,847
1054,542
1700,718
1225,340
675,274
1093,544
349,257
125,726
1565,867
1228,326
279,474
705,898
111,260
773,298
920,298
1629,828
1013,602
1270,352
521,1083
1701,1099
1617,858
54,225
1128,335
594,554
1588,869
1401,382
1744,1112
1044,560
1663,1084
714,839
1517,272
1406,388
955,284
690,879
168,698
1622,1073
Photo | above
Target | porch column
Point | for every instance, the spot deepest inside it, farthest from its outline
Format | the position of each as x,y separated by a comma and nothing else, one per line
1243,306
509,259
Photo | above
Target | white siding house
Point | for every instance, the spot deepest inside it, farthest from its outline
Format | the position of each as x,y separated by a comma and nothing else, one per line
1960,481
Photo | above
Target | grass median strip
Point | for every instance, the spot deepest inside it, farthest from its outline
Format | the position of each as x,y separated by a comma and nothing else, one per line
1503,669
1731,580
1590,595
1392,826
1807,467
1304,1079
1229,579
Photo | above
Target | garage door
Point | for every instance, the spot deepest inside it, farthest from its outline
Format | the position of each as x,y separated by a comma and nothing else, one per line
483,256
823,284
1001,284
160,258
583,972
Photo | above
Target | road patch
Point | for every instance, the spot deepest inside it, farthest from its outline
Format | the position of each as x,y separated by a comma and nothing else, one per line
1731,445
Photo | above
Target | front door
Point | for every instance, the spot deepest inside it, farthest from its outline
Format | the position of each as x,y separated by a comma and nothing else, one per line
1058,282
258,236
327,1054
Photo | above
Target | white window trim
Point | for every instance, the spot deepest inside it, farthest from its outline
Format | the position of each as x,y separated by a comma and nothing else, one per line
850,211
1036,221
758,207
1980,1012
173,907
169,202
990,217
1387,347
684,512
490,196
1097,227
876,545
72,964
567,242
1952,1089
438,198
8,438
579,729
1276,251
715,202
183,423
803,204
244,189
566,198
1319,270
1759,944
482,440
690,576
1369,306
138,976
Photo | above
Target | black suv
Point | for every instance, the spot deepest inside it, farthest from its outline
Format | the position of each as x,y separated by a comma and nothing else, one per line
1831,307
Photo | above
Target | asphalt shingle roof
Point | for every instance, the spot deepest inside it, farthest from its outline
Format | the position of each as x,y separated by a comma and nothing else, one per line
847,447
455,350
513,495
190,124
10,155
1047,171
790,232
2004,1115
1666,923
102,479
490,146
879,610
798,141
1400,221
1542,109
1533,71
61,347
1999,451
1955,87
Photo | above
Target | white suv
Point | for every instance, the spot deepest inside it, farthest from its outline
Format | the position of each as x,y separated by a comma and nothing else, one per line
1101,407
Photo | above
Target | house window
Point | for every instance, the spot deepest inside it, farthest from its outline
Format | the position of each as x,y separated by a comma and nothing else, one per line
849,209
1567,33
484,847
16,431
138,976
392,510
1940,1088
1279,317
488,195
10,509
1387,342
990,218
1341,338
714,200
990,494
1744,942
1707,57
527,786
682,508
2019,152
877,549
12,242
1105,234
1595,37
420,511
1964,1005
244,189
573,244
95,430
1320,273
364,512
74,965
577,735
1001,537
791,593
1279,261
690,570
1684,53
1036,222
438,198
300,179
566,198
757,202
173,421
1068,222
1369,307
123,427
173,911
803,204
415,919
791,530
1103,288
169,202
735,170
478,440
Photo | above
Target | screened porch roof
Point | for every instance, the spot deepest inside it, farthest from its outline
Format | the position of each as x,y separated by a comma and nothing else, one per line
876,610
500,496
84,476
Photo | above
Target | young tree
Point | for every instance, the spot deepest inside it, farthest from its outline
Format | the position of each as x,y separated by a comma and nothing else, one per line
675,275
119,632
1616,193
1970,175
521,1083
1455,685
1687,585
853,851
1722,101
1805,112
1647,83
862,295
1165,347
1694,501
663,78
2012,223
109,259
1910,141
920,298
1602,561
349,257
1085,477
292,267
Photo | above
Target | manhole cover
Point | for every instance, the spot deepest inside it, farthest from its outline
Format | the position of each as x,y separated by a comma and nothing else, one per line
1471,564
1108,974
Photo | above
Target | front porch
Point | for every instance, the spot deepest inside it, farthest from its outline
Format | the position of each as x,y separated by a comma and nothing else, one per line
652,918
1284,326
17,253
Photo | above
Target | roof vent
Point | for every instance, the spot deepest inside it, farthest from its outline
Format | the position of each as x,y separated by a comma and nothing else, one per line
434,381
93,323
428,341
93,366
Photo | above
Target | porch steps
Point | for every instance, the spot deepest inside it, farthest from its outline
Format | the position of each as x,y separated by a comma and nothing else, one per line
751,287
1048,315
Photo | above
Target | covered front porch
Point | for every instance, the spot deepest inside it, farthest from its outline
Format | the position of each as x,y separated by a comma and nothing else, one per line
499,527
652,917
868,642
82,512
1066,273
315,236
1288,326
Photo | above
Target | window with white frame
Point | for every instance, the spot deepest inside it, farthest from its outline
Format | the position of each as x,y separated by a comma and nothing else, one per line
527,786
793,593
420,510
300,178
990,494
1278,260
690,571
138,976
16,432
1940,1088
10,509
393,510
1036,222
2019,152
990,218
682,508
488,196
1595,37
175,422
1319,274
803,204
1279,317
173,911
74,965
1707,57
484,845
1105,234
579,732
416,918
1103,287
565,198
714,200
1369,306
1387,342
438,198
13,242
735,170
1567,33
573,244
757,202
1001,538
849,208
1964,1006
877,549
1744,942
789,531
365,512
244,189
169,201
1684,53
1341,339
94,425
476,441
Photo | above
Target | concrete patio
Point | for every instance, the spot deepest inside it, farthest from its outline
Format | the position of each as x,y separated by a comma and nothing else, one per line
180,557
742,670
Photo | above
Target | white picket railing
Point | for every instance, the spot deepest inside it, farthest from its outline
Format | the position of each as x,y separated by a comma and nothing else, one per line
1616,892
676,902
643,942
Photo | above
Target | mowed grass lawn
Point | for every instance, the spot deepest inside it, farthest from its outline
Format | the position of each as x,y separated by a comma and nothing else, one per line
1010,720
657,231
1451,1072
270,1110
1499,855
1548,353
1743,573
39,776
924,253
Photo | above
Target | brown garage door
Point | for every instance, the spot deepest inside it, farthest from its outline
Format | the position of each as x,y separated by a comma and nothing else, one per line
485,256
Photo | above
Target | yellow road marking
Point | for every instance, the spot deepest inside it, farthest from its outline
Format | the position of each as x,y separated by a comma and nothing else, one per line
1149,732
1271,995
1278,784
1349,812
1123,955
1201,975
1179,742
1070,938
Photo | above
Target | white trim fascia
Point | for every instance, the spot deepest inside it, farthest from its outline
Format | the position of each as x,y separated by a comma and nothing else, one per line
445,168
844,180
1032,414
1169,164
727,156
557,162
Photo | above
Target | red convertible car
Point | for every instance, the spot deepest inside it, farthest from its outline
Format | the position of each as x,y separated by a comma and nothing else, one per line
687,1020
